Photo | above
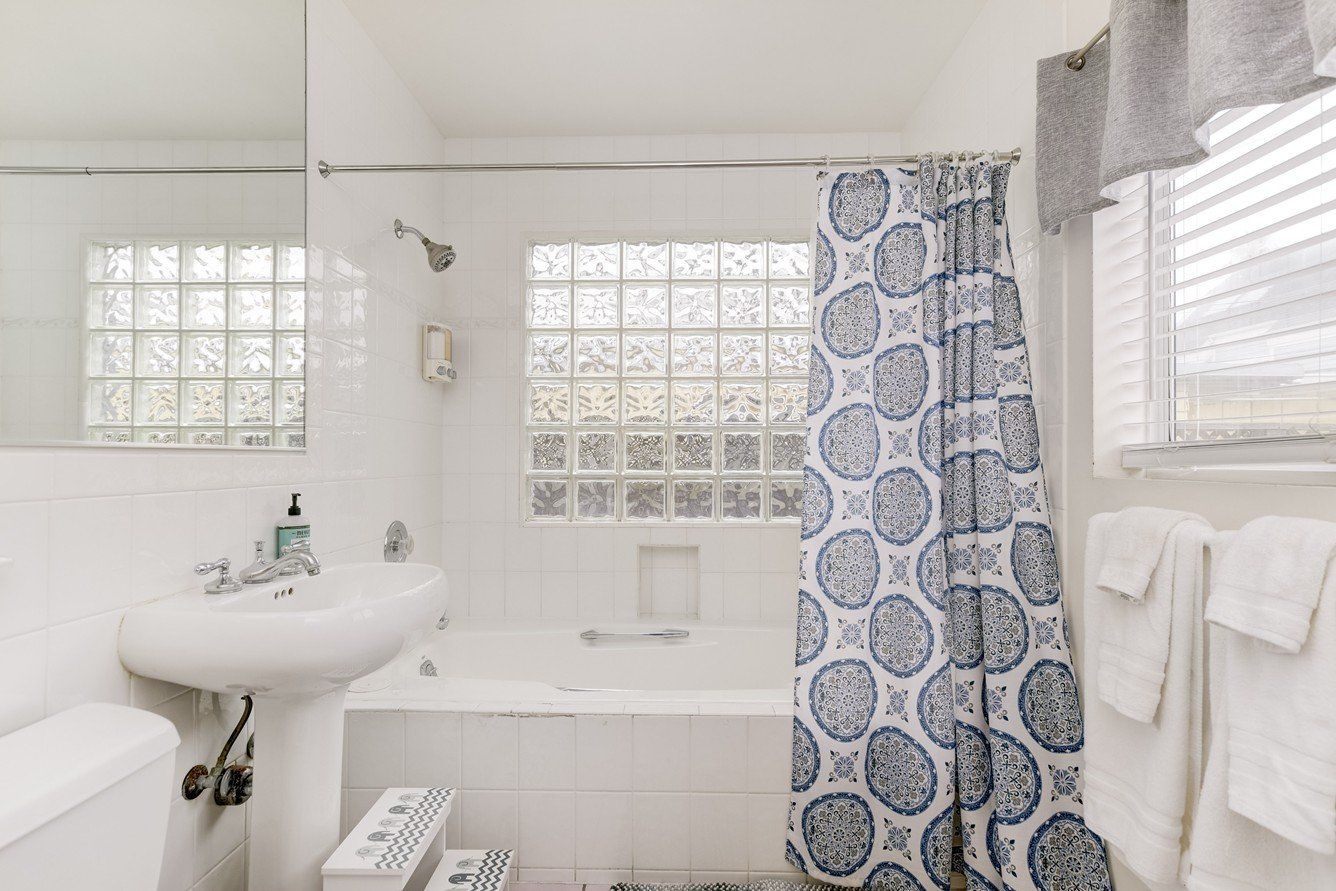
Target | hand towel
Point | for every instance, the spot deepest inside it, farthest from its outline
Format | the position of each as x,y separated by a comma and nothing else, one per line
1132,644
1268,581
1136,538
1229,852
1282,730
1139,775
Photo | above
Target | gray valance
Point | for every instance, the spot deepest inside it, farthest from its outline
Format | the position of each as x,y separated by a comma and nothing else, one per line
1142,99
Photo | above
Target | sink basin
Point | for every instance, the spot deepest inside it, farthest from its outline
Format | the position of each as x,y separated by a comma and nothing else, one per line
295,645
303,635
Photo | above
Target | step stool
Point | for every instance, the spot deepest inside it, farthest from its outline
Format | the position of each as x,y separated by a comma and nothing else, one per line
472,871
401,832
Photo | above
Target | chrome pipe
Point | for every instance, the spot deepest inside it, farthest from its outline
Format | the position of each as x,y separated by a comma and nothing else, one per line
326,169
143,171
665,634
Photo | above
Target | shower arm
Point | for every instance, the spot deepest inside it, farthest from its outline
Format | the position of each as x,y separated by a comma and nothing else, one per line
400,229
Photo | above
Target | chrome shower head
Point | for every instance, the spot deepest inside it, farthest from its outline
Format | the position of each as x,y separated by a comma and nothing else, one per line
439,256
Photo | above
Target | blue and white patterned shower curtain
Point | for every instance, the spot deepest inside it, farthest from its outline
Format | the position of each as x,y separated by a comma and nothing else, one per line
934,694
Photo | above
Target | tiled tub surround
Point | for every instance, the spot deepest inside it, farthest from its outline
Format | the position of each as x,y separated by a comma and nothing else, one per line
607,796
672,765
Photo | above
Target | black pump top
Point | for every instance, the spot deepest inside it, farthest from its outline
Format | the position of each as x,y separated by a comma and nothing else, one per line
295,511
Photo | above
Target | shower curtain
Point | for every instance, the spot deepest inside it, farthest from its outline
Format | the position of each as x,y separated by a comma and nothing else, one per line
936,725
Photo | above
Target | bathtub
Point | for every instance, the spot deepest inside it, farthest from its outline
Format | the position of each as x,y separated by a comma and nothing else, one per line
543,665
629,758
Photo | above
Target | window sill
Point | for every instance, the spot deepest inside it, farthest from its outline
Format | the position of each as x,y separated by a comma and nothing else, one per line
1293,460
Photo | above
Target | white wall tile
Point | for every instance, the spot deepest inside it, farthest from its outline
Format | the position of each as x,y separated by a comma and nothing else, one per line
718,754
491,819
82,664
603,755
662,753
490,752
546,829
432,749
769,754
767,827
602,829
662,831
23,585
547,753
93,576
374,749
718,832
23,666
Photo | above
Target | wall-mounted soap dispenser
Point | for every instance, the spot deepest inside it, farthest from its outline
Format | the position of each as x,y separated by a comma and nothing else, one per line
436,350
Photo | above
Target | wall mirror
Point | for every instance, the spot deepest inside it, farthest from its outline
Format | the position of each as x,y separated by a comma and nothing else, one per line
162,308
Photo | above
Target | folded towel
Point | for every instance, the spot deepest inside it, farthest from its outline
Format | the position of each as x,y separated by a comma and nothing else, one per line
1229,852
1139,775
1136,538
1282,729
1268,580
1131,641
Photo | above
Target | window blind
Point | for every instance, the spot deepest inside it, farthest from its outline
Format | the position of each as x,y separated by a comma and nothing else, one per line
1224,277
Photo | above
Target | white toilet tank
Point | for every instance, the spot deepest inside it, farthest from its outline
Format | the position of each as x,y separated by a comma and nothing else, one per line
85,800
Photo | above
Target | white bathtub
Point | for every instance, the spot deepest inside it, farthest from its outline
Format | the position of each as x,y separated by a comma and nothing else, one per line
559,746
543,665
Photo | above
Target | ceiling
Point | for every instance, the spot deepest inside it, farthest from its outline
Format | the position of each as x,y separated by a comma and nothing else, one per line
621,67
152,69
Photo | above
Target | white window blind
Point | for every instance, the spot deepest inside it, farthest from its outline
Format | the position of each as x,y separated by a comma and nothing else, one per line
1224,278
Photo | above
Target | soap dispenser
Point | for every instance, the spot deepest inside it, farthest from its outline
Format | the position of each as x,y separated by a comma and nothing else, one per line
294,533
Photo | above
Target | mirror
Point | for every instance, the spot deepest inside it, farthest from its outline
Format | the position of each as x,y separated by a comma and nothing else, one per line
164,308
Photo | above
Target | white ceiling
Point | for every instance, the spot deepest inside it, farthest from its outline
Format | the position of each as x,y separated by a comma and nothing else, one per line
152,69
614,67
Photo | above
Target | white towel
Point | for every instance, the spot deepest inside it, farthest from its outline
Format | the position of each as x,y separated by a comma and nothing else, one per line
1268,581
1136,538
1139,776
1230,852
1132,639
1282,730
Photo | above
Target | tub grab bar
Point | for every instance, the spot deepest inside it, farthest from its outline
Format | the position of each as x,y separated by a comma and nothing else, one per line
665,634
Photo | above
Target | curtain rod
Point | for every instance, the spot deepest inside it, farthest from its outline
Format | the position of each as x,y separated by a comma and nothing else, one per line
325,168
117,171
1076,61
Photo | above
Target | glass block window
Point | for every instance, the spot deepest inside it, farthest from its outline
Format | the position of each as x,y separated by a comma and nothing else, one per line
196,341
666,380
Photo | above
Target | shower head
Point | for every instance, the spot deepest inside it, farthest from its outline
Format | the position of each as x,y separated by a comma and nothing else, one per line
439,256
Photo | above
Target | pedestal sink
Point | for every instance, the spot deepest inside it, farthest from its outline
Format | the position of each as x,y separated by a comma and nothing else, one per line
295,645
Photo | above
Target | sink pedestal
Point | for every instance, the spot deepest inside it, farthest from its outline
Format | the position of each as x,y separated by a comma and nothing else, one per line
298,777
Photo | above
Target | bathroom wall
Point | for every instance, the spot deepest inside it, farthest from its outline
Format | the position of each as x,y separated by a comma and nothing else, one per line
92,531
497,564
45,220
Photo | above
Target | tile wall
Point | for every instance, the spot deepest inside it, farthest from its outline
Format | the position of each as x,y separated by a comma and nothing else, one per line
94,531
592,797
497,564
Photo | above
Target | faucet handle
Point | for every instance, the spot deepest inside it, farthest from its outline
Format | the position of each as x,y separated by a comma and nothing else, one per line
224,584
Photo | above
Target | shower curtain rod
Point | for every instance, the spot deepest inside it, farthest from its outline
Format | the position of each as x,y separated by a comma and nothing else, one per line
116,171
325,168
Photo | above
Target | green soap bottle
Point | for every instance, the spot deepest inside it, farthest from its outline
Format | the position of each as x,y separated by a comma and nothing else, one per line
295,532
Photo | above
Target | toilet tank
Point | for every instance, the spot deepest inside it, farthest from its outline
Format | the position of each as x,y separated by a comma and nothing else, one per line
85,800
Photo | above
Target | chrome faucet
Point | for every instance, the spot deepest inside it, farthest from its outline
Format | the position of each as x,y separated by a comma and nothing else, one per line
293,559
